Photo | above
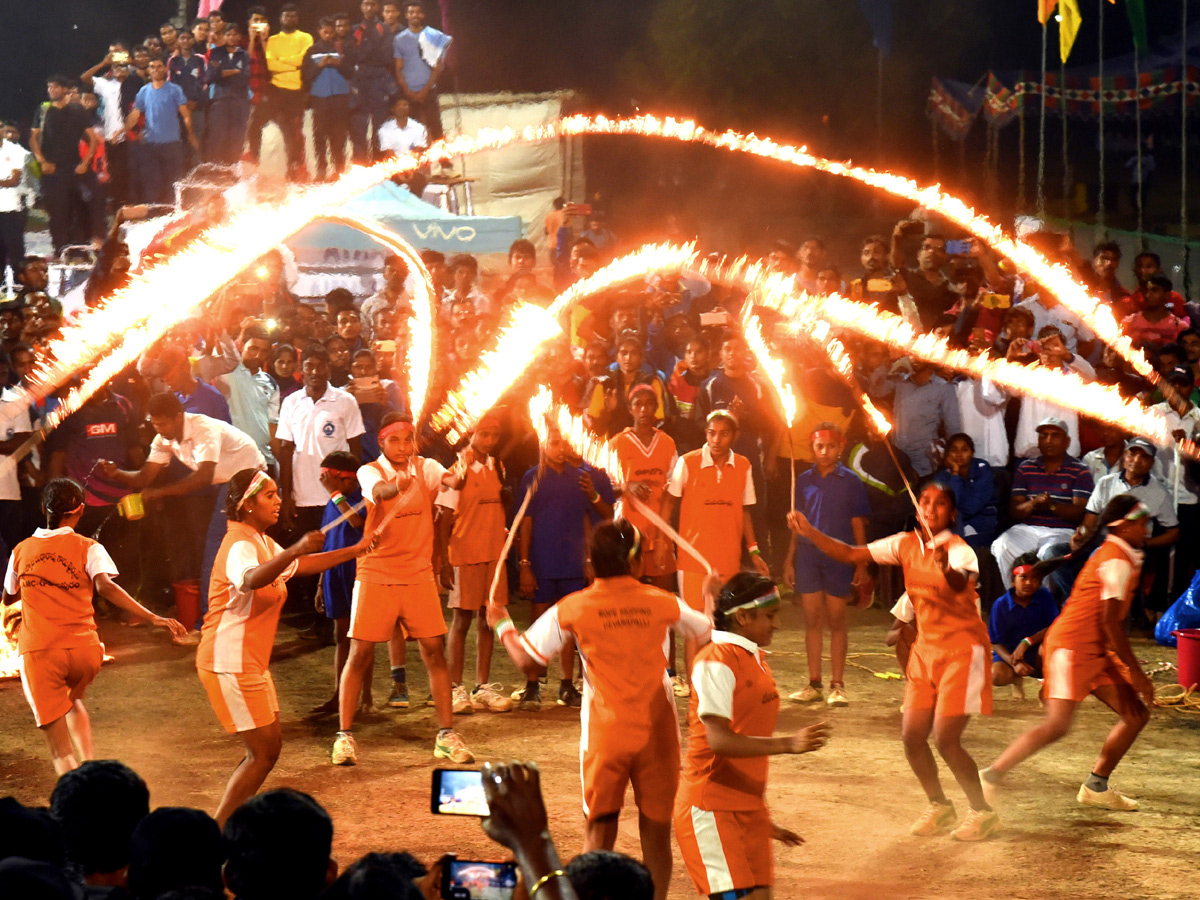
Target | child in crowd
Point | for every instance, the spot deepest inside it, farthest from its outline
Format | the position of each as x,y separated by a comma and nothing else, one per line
687,381
1018,625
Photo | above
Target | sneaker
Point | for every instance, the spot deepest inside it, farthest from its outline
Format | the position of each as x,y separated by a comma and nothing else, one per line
978,825
529,698
837,697
461,701
680,686
1110,799
429,701
934,820
487,698
399,697
568,695
451,747
809,694
345,751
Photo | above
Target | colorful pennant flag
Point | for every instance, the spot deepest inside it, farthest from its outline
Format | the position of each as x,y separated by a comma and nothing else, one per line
1069,21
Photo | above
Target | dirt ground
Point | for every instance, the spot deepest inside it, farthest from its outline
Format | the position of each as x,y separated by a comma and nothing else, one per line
853,801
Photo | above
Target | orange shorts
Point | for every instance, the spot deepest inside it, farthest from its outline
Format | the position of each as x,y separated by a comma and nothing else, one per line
1073,674
952,682
376,609
653,770
725,850
54,678
242,702
473,583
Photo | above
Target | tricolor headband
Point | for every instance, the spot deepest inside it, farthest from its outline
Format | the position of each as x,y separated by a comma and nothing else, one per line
394,427
767,600
256,484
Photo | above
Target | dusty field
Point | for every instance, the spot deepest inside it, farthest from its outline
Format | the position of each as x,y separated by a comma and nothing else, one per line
852,802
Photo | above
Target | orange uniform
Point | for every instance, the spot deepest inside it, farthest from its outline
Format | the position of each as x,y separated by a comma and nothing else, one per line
1078,654
239,631
53,573
721,818
394,581
652,466
949,669
713,499
477,537
630,732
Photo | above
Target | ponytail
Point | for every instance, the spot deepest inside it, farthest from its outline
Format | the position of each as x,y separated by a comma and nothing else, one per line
61,497
615,546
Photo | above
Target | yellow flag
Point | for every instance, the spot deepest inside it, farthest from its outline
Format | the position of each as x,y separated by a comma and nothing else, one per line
1069,21
1045,7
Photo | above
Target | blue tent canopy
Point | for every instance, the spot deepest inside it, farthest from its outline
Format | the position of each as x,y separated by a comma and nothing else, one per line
424,226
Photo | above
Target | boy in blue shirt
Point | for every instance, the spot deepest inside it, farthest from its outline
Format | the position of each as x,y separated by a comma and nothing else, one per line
552,542
1018,624
339,476
833,496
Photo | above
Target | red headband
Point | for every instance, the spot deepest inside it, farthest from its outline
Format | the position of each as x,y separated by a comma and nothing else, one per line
1023,570
329,470
826,434
640,388
393,428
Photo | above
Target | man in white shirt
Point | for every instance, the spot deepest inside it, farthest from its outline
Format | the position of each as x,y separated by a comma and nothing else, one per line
12,210
313,423
15,428
400,136
108,89
1053,353
1047,310
215,451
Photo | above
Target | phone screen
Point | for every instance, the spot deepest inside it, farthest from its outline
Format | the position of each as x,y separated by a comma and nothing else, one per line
465,879
958,248
879,285
458,792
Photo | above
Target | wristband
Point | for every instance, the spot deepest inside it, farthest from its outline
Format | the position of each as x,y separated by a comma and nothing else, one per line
337,498
754,551
524,562
541,882
1026,641
503,627
592,498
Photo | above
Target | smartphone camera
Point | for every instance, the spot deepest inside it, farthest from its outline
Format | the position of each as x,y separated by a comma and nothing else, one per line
471,879
458,792
958,248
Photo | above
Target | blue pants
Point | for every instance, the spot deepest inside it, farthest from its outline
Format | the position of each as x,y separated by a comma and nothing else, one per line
226,130
159,166
369,95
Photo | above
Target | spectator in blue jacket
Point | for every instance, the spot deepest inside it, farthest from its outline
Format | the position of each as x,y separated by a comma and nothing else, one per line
974,487
228,80
329,97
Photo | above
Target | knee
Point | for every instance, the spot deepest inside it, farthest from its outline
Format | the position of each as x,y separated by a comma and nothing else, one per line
1002,673
1139,716
1055,729
915,741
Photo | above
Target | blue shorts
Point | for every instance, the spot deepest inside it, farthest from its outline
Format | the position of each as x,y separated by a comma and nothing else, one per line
1033,658
551,590
337,590
816,572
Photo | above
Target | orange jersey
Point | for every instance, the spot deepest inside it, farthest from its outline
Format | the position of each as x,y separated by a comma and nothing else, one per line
403,552
53,573
620,627
730,679
479,527
945,618
713,499
1112,571
239,628
651,465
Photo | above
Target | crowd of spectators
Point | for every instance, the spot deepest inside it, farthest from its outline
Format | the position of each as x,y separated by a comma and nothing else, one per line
128,128
99,840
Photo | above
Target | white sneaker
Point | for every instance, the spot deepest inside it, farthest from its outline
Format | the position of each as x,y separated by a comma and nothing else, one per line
808,694
977,825
837,697
460,700
487,698
345,750
1110,799
680,686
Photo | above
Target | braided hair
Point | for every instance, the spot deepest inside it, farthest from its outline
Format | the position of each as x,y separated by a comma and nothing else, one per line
738,590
